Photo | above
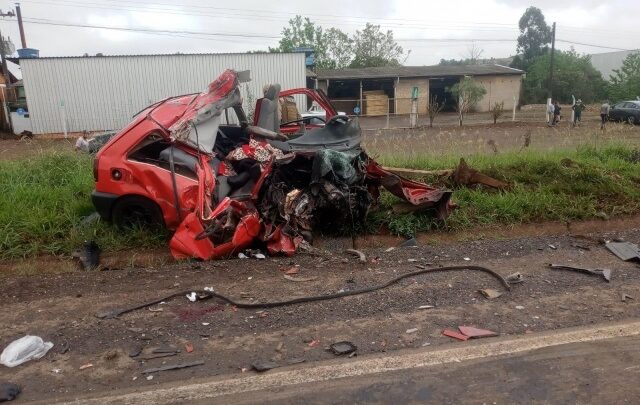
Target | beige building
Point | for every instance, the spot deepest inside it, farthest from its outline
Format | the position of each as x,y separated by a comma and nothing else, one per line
370,90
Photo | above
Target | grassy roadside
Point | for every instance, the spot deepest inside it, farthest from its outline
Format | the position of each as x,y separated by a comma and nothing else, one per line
586,182
44,199
43,205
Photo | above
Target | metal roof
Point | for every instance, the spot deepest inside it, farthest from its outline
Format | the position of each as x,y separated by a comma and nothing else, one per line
18,59
416,71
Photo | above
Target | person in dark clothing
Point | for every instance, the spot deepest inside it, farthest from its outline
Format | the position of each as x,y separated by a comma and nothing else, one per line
556,112
577,109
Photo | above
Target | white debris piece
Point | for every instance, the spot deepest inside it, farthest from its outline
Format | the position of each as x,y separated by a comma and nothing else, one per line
192,297
24,349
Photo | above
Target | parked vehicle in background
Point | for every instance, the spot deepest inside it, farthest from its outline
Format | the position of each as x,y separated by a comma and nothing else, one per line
627,111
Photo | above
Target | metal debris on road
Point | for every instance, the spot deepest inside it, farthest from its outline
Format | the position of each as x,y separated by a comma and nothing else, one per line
361,256
261,366
342,348
624,297
605,273
475,333
173,367
515,278
624,250
453,334
490,293
581,247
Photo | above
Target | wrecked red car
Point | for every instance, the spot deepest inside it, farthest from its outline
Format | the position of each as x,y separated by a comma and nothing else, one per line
193,163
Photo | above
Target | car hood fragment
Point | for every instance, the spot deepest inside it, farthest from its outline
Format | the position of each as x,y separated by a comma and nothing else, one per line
275,195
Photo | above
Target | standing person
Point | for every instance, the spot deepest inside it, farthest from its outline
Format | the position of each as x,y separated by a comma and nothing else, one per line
556,112
550,110
82,144
604,113
577,109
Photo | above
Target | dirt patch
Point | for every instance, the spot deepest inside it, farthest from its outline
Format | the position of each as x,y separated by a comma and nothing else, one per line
61,307
11,149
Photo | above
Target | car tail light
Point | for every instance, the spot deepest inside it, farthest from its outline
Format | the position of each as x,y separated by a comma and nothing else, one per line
95,169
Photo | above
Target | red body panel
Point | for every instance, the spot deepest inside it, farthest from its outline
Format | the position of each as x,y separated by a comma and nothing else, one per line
200,218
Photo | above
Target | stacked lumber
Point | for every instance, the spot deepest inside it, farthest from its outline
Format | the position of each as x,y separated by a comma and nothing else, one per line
288,109
376,102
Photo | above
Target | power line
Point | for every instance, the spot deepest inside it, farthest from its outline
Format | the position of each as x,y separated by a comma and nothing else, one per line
149,30
592,45
250,15
154,6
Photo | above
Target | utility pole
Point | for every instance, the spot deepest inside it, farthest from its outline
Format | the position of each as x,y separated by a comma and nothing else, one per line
553,51
22,38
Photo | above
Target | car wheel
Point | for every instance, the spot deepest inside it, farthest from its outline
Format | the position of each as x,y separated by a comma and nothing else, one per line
130,211
631,120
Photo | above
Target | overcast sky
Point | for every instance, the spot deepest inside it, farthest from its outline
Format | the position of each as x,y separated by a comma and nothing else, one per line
243,25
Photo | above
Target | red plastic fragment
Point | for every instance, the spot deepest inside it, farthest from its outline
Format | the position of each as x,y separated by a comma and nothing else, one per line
188,347
472,332
454,334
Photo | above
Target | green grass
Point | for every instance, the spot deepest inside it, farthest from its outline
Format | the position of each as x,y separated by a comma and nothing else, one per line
44,199
42,205
585,183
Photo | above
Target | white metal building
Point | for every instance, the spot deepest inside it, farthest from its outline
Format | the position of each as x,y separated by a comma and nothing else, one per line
99,93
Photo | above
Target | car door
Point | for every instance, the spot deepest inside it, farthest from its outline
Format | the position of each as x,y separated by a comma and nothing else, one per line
617,112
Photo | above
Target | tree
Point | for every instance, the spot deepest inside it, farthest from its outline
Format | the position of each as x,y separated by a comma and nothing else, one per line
468,93
497,111
332,48
373,48
433,109
534,37
573,75
625,82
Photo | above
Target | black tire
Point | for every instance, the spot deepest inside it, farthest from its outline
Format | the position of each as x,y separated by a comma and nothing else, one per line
631,120
133,210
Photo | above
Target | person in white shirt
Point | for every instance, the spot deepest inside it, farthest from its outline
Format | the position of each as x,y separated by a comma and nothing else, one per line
82,144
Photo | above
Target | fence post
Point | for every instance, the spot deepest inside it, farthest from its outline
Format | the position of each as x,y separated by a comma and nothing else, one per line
387,126
513,116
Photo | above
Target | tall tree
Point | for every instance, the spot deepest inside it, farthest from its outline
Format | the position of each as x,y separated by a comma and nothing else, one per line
333,48
374,48
573,75
625,82
535,36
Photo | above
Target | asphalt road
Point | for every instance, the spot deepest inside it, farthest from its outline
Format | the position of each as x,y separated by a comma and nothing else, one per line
598,364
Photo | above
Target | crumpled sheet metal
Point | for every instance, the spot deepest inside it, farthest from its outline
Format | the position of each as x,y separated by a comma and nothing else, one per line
294,193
